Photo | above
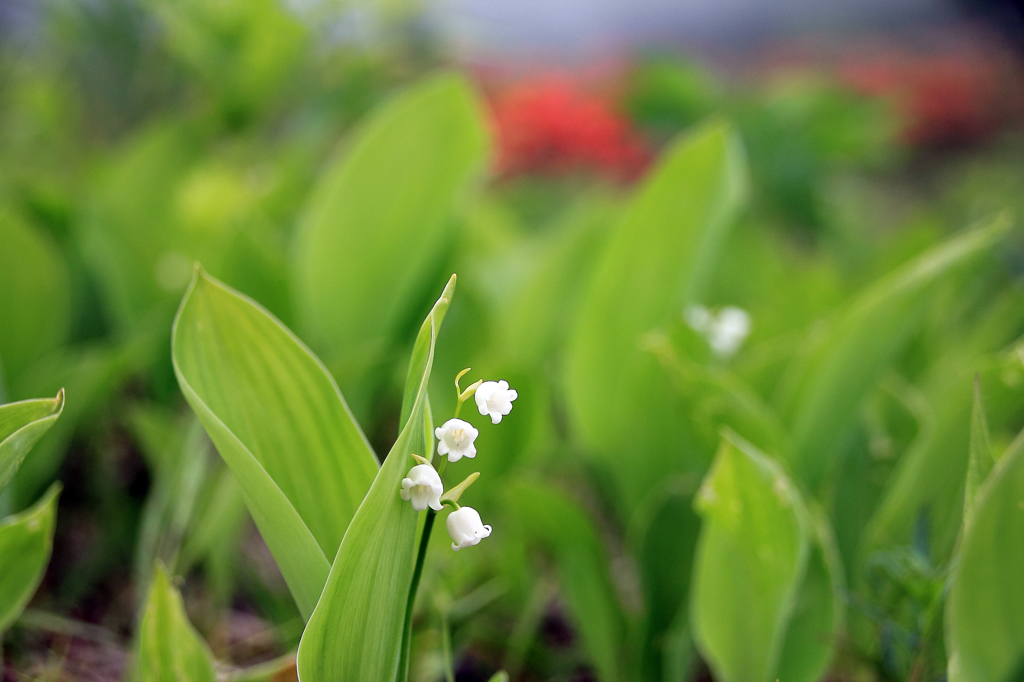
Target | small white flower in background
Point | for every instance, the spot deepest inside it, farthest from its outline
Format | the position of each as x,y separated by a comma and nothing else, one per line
455,439
494,399
423,486
465,527
725,333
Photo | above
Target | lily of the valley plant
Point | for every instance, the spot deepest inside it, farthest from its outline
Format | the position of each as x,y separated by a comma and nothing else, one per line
423,486
337,519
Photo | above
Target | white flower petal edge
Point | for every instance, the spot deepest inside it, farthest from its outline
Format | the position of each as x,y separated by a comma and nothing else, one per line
455,439
466,529
494,399
423,488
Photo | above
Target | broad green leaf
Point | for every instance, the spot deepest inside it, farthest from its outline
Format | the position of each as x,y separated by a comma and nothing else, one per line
355,632
280,423
658,259
979,456
750,561
376,226
984,617
35,298
169,648
25,543
818,616
22,424
664,548
565,530
825,387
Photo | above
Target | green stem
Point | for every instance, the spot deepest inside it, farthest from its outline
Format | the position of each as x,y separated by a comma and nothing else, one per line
414,586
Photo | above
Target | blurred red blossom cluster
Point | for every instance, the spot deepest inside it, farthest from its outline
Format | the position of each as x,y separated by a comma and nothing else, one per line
953,98
552,125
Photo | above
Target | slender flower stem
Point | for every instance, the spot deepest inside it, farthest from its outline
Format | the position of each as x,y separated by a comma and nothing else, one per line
414,587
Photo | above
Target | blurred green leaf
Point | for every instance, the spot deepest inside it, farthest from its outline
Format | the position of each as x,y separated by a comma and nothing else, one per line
35,303
665,547
279,421
22,424
376,226
131,239
177,480
926,485
818,616
980,458
241,48
91,375
169,648
26,540
213,536
984,620
825,386
658,259
568,534
355,632
750,560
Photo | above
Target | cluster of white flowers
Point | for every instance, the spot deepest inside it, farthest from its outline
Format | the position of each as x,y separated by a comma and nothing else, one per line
423,486
725,332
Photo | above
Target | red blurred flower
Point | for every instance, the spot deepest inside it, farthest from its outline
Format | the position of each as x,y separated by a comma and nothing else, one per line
945,99
552,126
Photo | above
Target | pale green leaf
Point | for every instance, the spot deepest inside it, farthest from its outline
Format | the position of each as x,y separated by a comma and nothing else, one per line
825,387
979,455
355,632
565,530
22,424
169,648
26,540
35,298
984,617
376,226
657,260
280,423
750,562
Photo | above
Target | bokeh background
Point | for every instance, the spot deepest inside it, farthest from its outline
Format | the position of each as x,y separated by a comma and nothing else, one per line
140,136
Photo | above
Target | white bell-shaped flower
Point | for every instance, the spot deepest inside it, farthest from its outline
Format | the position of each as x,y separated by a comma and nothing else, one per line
423,487
455,439
494,399
465,527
